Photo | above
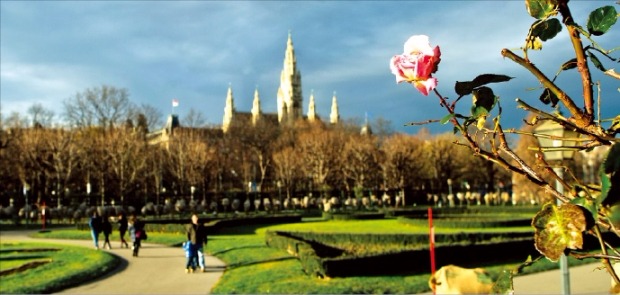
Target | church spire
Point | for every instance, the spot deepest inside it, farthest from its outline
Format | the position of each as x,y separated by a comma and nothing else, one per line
311,108
366,130
289,92
229,109
256,111
334,117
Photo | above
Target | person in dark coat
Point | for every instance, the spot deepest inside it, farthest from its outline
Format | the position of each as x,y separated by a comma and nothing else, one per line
136,232
197,237
122,229
95,227
106,228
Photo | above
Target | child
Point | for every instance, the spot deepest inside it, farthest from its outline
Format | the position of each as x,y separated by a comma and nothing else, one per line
192,257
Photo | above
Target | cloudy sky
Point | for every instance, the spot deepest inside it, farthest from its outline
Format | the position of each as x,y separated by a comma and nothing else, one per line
192,51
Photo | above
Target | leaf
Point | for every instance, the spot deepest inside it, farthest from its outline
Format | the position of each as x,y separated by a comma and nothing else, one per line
483,101
489,78
612,161
503,284
571,64
467,87
615,124
463,88
605,185
589,206
541,9
547,29
558,228
446,118
610,177
533,43
548,97
597,63
601,19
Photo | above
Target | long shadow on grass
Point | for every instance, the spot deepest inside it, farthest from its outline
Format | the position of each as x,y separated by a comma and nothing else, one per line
237,248
23,257
237,265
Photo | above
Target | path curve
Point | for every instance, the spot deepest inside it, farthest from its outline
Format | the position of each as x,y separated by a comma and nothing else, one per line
157,270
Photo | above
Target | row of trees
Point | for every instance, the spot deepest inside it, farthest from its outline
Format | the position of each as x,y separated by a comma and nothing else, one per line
107,154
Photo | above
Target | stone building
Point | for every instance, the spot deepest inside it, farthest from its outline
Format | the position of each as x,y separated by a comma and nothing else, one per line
289,99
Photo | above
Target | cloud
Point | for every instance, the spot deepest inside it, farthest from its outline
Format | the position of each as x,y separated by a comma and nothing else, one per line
192,50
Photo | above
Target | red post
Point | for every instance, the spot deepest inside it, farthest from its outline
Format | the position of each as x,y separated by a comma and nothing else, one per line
431,239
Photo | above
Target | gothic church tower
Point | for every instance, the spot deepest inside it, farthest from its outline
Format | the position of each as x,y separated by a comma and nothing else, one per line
289,92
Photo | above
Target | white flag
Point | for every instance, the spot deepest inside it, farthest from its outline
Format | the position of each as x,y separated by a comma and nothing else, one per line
175,102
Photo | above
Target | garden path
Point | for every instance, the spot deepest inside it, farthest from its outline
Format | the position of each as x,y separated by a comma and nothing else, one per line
157,270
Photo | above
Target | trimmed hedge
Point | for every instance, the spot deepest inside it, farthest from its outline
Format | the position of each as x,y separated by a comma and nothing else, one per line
322,260
461,221
353,215
422,211
317,258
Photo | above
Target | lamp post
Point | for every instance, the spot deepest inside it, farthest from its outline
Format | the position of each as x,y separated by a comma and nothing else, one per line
26,207
557,147
449,186
192,189
279,184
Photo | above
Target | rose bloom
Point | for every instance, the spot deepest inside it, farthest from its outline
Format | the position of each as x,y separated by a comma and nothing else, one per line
417,64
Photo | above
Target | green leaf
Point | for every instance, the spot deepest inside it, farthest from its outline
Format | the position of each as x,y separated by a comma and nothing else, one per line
503,284
558,228
446,118
548,97
605,185
571,64
601,19
597,63
541,9
547,29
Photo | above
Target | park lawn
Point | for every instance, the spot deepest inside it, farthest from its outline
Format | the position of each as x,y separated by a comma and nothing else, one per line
59,266
274,271
244,251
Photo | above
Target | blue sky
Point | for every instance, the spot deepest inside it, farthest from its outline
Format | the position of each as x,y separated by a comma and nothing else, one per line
192,51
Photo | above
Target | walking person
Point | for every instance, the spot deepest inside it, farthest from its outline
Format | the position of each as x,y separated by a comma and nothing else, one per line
95,227
122,229
136,232
106,228
197,237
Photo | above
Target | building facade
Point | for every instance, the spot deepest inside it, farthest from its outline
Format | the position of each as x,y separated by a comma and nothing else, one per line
289,98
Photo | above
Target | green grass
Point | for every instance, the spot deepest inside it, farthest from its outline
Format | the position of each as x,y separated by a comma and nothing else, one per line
254,268
62,266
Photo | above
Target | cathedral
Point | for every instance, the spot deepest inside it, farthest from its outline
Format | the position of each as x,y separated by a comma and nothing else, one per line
289,99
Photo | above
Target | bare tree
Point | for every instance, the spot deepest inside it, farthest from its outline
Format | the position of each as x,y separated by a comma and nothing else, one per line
403,162
104,106
360,164
152,116
193,119
40,116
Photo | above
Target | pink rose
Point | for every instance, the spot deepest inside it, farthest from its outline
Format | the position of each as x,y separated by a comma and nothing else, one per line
417,64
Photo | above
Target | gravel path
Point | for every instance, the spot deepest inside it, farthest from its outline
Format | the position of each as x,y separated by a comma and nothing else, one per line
157,270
